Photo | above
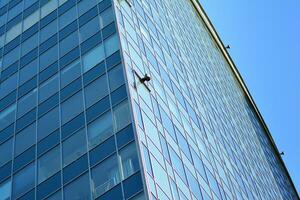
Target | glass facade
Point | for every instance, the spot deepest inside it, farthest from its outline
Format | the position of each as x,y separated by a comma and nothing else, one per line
79,121
65,127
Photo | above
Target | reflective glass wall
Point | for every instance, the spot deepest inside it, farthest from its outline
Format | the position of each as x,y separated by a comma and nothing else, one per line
199,137
65,124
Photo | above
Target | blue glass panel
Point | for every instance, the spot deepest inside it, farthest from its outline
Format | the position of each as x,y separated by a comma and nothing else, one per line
133,185
125,136
24,158
115,194
75,169
72,126
102,151
48,142
49,186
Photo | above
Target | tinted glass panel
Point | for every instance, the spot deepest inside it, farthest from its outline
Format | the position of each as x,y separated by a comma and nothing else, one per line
74,147
48,164
108,179
78,189
100,129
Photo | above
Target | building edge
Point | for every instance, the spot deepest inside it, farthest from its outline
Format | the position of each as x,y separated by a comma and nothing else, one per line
215,36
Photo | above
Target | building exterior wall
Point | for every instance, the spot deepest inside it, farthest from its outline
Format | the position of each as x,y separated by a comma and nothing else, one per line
199,134
76,121
65,124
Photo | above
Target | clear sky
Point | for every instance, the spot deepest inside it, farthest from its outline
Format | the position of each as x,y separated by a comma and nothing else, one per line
265,46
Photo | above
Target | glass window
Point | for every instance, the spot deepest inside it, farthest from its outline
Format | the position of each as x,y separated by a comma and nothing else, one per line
68,43
72,107
25,139
28,3
121,115
8,85
93,57
27,102
50,6
48,123
177,164
56,196
61,2
31,20
106,17
96,91
48,88
89,29
28,71
48,164
5,190
129,159
74,147
29,44
107,180
48,31
84,6
13,32
7,116
11,57
78,189
67,17
183,144
70,73
116,77
6,151
49,57
14,11
24,180
111,45
100,129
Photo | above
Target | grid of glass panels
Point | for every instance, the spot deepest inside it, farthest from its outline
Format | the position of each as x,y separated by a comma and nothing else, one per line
65,124
198,136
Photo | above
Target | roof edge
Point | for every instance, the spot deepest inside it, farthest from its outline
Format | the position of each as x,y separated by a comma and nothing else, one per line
237,74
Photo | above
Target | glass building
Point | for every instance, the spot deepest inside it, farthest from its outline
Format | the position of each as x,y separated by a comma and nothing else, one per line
127,99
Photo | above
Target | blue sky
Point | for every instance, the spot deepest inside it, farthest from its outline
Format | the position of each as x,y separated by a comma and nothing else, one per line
265,46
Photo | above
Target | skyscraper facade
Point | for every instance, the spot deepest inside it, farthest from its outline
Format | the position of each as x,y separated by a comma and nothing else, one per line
127,99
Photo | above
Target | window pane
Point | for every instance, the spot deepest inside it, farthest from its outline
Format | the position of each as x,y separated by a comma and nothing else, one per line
111,45
48,31
70,73
6,152
5,190
50,6
31,20
129,159
28,71
84,6
24,180
72,107
121,115
48,164
68,43
116,77
49,57
8,85
67,17
74,147
78,189
106,17
107,180
89,29
48,88
25,139
7,116
48,123
96,91
93,57
27,102
100,129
